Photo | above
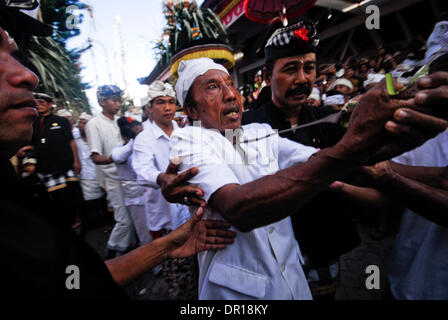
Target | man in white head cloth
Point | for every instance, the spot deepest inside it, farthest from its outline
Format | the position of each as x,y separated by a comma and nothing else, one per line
149,159
256,184
89,178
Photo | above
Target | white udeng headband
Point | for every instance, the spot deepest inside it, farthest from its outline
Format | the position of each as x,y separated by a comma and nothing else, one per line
160,89
189,70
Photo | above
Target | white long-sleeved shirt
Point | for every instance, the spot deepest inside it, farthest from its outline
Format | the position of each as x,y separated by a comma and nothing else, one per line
88,170
419,262
133,191
150,158
264,263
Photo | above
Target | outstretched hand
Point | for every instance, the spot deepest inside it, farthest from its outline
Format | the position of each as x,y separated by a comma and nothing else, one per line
431,114
382,127
197,235
175,189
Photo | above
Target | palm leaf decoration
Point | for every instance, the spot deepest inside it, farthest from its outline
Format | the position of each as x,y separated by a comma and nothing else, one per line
58,73
186,21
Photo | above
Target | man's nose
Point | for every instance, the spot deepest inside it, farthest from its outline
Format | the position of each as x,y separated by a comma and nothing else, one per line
20,76
167,106
300,76
229,92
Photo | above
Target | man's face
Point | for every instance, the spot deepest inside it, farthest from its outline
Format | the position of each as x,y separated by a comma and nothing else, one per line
343,89
17,104
82,125
163,109
43,106
111,105
292,79
218,102
349,73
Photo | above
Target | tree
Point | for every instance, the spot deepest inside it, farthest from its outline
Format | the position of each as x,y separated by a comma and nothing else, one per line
57,67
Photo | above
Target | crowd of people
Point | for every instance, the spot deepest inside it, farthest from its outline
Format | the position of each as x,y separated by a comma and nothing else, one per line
176,187
337,83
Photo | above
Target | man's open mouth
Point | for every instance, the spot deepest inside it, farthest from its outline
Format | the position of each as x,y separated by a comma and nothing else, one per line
232,112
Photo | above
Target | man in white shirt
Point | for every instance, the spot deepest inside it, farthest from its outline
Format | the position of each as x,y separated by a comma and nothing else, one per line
94,197
242,184
150,158
103,135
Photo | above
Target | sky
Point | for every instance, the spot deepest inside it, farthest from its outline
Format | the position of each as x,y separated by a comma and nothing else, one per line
141,23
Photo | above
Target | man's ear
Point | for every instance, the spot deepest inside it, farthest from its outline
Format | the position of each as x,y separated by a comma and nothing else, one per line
267,76
191,112
101,102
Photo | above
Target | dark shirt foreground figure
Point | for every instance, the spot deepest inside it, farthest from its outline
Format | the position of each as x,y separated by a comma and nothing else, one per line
37,249
57,159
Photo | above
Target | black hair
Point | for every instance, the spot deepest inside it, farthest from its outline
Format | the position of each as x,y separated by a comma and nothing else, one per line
190,102
126,124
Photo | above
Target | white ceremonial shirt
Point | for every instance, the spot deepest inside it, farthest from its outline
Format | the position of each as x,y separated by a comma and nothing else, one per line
132,189
90,180
103,135
147,124
88,170
266,262
150,158
419,262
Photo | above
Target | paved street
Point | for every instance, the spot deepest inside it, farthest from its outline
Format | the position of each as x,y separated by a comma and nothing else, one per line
353,268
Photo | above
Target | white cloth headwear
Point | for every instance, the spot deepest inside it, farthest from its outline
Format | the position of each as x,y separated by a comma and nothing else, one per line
315,94
341,82
64,113
189,70
373,78
160,89
85,116
437,40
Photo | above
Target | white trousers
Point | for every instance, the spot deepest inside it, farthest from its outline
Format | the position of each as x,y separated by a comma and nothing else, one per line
139,219
122,237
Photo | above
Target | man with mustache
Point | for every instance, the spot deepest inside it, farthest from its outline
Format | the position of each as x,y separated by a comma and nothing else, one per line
40,255
254,179
323,227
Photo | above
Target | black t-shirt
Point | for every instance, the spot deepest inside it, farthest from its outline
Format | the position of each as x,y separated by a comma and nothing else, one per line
318,136
51,139
323,228
37,248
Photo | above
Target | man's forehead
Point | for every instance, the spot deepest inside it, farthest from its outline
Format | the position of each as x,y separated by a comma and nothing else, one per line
164,97
302,58
213,74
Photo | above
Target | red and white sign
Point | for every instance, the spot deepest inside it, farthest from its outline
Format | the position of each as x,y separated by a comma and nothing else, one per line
233,15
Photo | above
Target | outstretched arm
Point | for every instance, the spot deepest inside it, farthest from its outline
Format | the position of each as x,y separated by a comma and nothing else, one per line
192,237
372,136
422,189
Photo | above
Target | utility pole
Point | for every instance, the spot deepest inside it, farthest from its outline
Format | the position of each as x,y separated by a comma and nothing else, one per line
119,49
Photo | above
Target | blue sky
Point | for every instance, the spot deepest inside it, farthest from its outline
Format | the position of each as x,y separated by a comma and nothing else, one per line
141,23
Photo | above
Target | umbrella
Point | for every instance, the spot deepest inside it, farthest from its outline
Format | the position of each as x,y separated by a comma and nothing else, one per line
270,11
